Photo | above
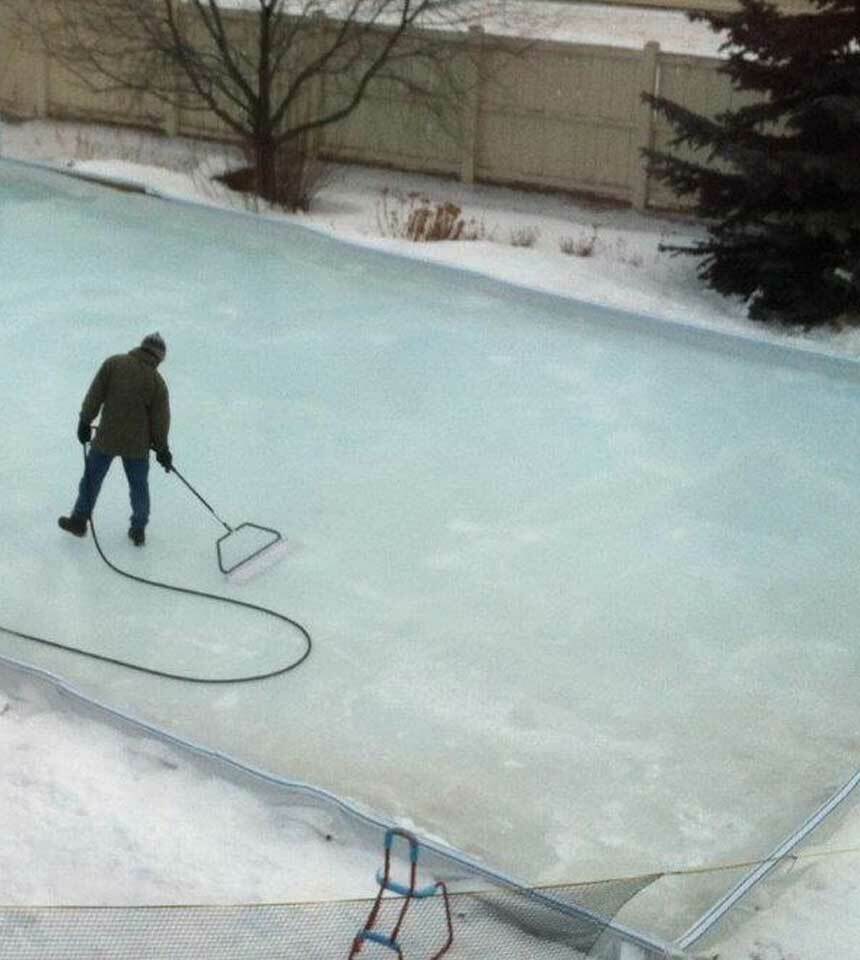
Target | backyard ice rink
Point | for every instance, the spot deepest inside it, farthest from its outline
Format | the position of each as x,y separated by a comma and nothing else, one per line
580,588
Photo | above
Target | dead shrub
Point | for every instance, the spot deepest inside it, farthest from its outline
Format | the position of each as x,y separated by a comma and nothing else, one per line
524,236
621,252
582,246
415,217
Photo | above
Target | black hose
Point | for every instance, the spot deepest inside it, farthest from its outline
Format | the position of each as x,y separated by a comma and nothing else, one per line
189,592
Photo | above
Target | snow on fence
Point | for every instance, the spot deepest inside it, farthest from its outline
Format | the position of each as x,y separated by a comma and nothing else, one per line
717,5
544,114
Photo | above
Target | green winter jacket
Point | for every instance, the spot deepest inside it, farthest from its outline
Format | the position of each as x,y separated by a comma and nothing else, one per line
134,404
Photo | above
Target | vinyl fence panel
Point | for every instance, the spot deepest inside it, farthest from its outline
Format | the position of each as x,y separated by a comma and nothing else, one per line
540,114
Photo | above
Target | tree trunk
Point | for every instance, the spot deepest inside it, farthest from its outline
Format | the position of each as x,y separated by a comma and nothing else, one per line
265,154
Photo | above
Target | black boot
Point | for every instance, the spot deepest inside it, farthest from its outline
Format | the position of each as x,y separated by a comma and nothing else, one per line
137,536
74,524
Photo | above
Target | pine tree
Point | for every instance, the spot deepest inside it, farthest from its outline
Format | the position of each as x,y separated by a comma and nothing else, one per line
779,179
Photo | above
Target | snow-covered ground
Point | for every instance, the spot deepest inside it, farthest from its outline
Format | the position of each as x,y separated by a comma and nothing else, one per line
88,777
110,816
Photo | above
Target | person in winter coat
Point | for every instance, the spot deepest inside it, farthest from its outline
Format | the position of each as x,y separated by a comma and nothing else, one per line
135,417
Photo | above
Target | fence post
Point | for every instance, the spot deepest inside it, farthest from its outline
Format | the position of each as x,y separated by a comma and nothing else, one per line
471,102
644,129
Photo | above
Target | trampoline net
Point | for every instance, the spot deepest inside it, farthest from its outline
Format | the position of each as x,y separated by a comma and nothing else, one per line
487,922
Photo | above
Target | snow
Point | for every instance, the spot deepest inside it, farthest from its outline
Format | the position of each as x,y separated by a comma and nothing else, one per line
107,795
95,817
587,23
600,24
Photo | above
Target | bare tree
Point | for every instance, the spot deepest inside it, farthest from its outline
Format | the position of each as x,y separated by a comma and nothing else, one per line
257,65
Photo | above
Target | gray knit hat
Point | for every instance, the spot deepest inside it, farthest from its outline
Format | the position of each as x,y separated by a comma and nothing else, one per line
155,346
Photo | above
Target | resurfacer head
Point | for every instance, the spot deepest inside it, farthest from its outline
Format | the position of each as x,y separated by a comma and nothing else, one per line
254,566
247,544
251,548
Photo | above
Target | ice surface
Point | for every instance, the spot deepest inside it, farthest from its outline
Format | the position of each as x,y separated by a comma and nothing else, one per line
581,591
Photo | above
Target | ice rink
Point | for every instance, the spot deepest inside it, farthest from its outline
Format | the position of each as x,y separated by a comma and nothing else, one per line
581,586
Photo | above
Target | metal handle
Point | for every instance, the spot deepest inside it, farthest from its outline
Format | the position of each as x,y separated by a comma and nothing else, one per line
226,526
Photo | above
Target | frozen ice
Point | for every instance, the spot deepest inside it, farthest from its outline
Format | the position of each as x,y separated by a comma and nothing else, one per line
580,587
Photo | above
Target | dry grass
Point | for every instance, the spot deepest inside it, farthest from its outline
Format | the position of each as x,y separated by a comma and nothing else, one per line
415,217
524,236
582,246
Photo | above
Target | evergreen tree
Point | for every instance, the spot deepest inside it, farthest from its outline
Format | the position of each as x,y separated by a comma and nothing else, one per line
779,178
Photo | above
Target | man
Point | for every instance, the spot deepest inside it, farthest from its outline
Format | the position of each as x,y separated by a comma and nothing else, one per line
135,416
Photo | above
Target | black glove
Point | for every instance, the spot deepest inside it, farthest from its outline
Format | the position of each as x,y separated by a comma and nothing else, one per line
85,431
165,458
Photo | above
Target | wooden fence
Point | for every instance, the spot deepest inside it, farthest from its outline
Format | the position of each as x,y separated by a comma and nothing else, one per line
548,115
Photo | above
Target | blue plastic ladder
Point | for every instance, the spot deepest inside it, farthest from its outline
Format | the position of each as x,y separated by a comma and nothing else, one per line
409,893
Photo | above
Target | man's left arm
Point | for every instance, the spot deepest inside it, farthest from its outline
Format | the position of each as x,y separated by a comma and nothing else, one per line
93,403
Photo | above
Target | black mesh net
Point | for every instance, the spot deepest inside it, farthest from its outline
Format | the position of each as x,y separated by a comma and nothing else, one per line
502,923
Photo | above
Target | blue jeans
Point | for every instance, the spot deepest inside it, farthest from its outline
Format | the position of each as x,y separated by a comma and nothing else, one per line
137,473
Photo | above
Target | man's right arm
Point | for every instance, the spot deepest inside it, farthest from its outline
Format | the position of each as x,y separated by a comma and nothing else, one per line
160,426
